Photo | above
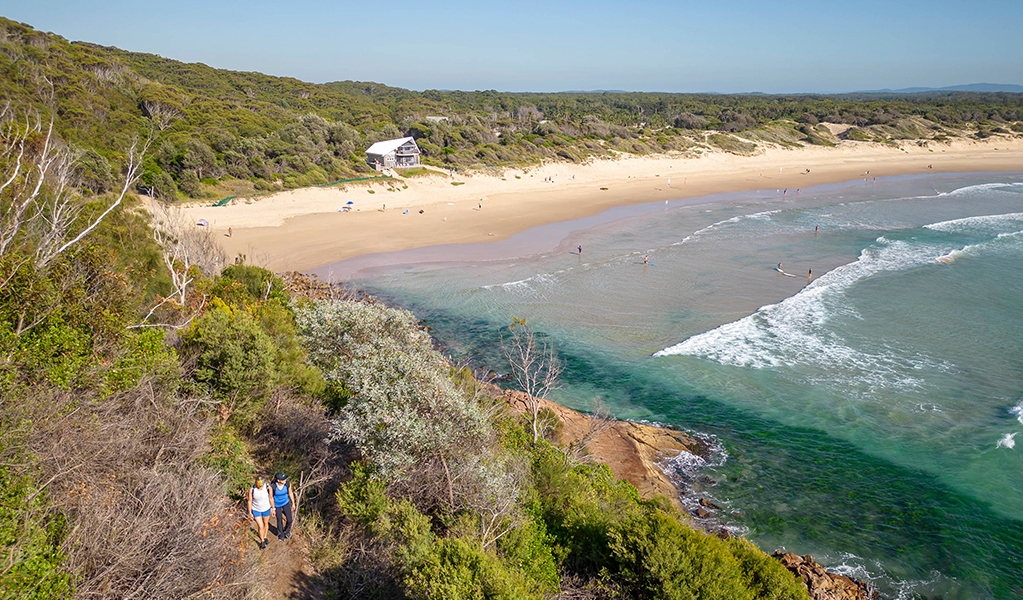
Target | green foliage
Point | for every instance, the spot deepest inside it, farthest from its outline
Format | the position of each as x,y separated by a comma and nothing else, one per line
663,558
216,124
455,570
766,577
259,283
30,542
404,406
234,359
363,498
228,456
531,550
147,357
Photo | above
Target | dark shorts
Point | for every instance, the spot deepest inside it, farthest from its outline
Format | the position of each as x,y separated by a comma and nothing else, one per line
264,513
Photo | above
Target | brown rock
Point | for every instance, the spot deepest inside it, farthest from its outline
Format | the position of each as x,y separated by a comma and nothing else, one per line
708,504
704,513
822,585
631,450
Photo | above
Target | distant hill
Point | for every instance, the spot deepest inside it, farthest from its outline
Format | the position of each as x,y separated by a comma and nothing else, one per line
220,133
970,87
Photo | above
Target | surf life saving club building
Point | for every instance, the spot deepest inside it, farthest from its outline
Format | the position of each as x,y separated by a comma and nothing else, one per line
402,152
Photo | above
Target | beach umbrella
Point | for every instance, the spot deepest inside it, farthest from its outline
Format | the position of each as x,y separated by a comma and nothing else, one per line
203,223
349,202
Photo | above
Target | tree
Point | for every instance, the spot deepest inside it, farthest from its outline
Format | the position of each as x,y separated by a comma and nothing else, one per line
39,201
536,368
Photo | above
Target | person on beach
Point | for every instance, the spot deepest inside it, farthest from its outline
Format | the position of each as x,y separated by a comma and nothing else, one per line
580,250
809,275
259,508
283,504
230,232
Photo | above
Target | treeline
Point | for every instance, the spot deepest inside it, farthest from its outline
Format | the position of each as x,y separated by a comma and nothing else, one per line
143,383
220,132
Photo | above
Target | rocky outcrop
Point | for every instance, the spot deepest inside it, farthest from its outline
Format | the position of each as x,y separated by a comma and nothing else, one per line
823,585
631,450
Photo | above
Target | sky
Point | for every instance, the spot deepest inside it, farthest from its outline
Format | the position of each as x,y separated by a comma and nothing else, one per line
647,45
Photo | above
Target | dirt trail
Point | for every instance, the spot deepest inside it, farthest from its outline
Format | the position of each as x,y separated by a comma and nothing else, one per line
285,571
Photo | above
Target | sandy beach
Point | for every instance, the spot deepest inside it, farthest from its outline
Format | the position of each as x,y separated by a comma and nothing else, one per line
304,229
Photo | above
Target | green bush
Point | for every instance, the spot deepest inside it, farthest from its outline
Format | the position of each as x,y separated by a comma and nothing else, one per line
234,359
663,558
766,577
30,543
531,550
455,570
227,454
147,357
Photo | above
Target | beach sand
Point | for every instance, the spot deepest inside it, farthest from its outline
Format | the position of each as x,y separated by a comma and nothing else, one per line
303,229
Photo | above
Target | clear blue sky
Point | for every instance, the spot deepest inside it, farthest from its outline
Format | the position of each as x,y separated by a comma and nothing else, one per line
647,45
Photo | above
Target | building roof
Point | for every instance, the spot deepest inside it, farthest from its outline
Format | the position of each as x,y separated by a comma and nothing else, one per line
387,146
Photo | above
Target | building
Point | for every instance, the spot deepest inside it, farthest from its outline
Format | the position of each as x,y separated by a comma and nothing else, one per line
402,152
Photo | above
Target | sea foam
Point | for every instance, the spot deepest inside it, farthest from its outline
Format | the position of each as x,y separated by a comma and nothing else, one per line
794,331
1007,441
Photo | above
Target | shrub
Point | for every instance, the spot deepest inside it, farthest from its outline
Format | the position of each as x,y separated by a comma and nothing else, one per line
454,570
766,577
663,558
227,455
147,357
33,560
234,359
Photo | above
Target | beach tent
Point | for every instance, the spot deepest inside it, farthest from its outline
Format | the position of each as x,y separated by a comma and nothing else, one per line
203,223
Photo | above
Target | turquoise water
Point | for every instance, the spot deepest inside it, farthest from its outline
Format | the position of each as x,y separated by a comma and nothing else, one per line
866,417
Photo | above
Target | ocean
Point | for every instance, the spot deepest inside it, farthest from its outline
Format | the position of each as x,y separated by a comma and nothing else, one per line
867,415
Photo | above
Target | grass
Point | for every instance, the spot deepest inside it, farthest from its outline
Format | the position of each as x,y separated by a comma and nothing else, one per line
457,183
418,173
731,144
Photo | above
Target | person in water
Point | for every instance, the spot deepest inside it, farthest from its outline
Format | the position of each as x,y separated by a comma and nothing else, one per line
779,266
580,250
646,259
260,508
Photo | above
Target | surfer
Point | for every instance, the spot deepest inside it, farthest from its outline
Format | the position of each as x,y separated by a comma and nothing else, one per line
646,259
779,266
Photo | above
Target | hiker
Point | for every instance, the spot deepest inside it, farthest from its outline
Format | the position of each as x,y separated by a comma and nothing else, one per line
283,503
260,508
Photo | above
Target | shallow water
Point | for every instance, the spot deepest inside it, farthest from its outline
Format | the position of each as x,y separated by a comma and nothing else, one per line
868,416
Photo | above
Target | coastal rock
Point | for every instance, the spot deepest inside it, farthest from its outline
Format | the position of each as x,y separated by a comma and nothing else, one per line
631,450
823,585
708,504
703,513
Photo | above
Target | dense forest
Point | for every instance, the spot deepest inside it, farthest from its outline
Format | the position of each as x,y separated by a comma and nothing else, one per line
216,132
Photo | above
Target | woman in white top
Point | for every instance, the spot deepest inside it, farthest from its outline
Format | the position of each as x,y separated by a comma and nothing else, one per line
260,508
